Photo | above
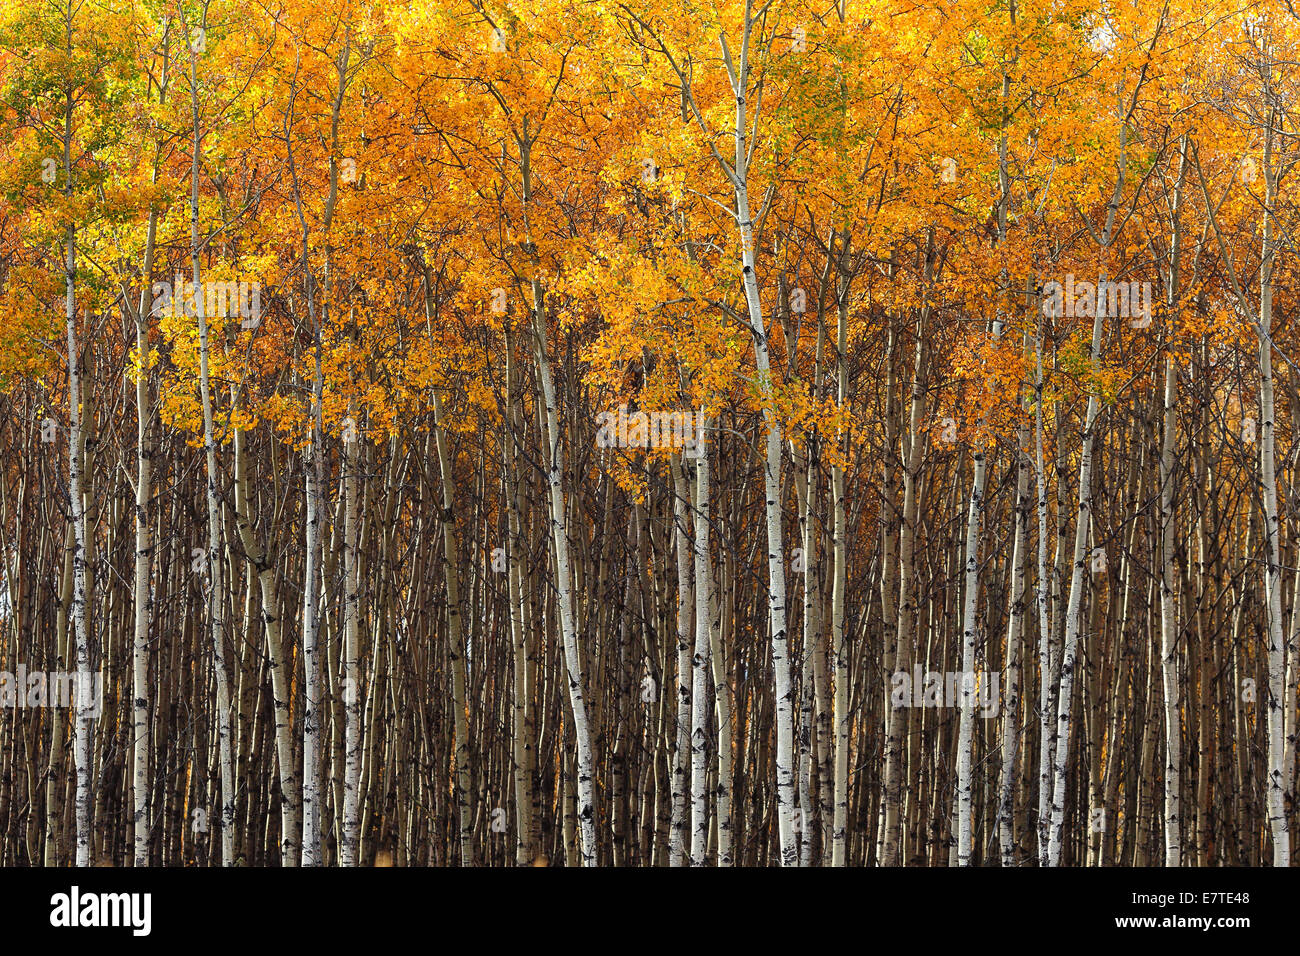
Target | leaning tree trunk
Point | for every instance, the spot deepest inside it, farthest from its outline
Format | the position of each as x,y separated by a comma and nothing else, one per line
1073,622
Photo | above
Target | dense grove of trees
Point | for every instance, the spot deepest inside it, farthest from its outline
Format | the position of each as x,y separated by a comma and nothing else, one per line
801,432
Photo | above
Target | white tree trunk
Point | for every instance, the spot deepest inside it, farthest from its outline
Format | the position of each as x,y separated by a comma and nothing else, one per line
1015,625
351,671
1046,630
290,789
82,753
143,593
311,654
451,562
966,722
215,591
681,777
785,783
839,582
1073,623
564,587
704,626
1277,702
1169,623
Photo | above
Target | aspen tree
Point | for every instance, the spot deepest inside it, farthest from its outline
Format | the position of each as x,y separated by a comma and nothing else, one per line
1277,818
737,173
214,560
602,684
1083,515
1169,623
142,591
839,546
450,564
1015,626
700,662
680,840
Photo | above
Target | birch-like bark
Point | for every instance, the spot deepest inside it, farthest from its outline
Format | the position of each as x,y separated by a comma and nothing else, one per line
313,465
214,563
1046,631
785,781
1277,818
1083,515
1169,623
522,730
311,652
82,739
974,520
737,174
586,794
1070,657
463,787
142,592
1277,703
351,671
554,464
839,582
681,778
450,562
966,721
1015,624
896,737
264,569
76,508
723,706
700,663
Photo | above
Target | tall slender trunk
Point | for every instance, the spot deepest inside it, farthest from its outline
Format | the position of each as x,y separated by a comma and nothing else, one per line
311,651
704,626
1169,624
216,597
1277,818
681,779
777,599
970,607
142,595
1046,630
1015,627
450,565
523,746
554,464
839,583
897,736
1073,622
76,508
290,789
351,670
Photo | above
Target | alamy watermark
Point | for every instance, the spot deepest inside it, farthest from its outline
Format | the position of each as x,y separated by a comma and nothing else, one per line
1112,300
670,430
76,908
225,298
948,689
22,688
